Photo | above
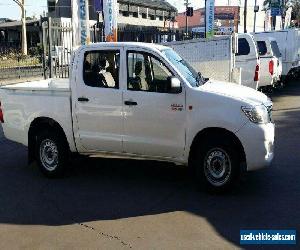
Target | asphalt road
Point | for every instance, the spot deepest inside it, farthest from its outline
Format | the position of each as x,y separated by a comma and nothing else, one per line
121,204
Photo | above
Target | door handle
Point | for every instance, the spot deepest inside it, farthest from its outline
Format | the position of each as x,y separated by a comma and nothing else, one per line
130,103
83,99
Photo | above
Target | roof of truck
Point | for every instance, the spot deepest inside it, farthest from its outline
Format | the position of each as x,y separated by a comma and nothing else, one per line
127,44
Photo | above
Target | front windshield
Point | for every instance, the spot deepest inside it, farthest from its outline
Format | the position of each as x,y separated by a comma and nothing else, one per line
185,69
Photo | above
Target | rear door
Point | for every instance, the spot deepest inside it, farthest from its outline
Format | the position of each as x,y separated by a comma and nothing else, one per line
247,60
154,118
98,101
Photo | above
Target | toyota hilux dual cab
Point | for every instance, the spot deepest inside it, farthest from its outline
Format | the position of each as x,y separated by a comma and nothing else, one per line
144,101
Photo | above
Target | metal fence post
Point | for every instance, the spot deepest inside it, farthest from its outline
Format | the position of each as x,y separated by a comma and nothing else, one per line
50,47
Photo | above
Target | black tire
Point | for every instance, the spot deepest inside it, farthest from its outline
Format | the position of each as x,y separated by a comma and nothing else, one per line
217,165
52,153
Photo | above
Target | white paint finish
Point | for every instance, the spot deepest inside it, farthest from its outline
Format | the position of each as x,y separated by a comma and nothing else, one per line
258,142
22,107
100,120
248,63
152,127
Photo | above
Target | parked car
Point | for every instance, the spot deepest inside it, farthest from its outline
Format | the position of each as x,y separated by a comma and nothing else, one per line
247,59
141,100
270,62
289,44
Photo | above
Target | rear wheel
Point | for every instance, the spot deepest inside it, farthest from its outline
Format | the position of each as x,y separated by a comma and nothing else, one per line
51,154
217,165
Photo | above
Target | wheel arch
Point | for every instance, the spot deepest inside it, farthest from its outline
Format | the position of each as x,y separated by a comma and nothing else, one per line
214,132
37,125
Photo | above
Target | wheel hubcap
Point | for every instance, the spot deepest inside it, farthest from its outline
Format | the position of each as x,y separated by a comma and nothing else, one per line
49,154
217,167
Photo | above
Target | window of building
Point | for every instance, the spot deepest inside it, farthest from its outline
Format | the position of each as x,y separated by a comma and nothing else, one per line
135,14
125,13
147,73
144,15
152,17
243,47
101,69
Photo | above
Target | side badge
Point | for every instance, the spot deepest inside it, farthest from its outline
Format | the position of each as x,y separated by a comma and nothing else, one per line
177,107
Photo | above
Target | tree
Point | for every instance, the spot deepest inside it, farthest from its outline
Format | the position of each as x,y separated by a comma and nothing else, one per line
21,4
296,11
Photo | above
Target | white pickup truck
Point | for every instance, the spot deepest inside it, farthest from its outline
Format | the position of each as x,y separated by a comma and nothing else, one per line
140,101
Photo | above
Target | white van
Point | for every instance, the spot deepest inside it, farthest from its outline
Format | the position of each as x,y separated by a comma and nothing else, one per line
247,59
289,44
270,62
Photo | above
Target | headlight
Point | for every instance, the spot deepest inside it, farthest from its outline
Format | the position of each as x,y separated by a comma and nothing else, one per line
258,114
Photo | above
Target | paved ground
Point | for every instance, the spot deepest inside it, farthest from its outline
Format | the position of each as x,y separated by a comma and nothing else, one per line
113,204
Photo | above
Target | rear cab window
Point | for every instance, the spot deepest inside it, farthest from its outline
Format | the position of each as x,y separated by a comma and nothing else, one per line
101,68
262,48
243,47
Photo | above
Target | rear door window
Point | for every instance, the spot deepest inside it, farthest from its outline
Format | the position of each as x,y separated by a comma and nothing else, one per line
101,68
262,48
243,47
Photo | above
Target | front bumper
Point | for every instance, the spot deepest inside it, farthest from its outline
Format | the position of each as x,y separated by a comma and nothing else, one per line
258,143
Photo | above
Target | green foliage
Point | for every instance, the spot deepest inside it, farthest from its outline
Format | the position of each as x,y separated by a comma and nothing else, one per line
296,10
14,58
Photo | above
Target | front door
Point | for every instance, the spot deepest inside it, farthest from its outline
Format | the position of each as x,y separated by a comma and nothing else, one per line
154,118
98,105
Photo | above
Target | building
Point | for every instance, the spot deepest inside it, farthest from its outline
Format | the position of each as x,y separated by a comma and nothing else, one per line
11,33
226,19
135,16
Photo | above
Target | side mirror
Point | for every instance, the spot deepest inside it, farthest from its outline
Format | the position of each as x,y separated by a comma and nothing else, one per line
174,85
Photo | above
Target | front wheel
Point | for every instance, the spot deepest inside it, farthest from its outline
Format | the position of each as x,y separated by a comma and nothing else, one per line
217,165
51,154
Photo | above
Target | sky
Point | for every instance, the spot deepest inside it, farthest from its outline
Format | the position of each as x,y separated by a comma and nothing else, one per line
9,9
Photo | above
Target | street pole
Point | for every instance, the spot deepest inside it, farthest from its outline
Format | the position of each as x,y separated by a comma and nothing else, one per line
186,17
245,16
24,37
87,22
205,19
21,4
255,11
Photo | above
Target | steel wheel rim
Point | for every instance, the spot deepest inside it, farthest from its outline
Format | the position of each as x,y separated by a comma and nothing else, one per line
217,167
49,154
